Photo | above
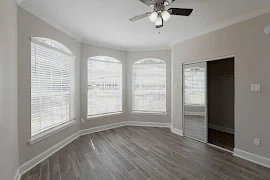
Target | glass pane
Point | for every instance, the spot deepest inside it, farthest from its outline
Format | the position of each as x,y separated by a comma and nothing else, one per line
194,86
194,101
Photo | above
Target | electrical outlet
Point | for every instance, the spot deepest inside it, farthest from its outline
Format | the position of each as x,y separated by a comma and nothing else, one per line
257,141
82,120
255,87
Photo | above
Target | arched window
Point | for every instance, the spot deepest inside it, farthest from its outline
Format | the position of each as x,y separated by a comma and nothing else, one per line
149,86
104,86
52,85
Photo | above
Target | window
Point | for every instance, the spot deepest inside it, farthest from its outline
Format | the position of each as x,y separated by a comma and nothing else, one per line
104,86
194,86
52,85
149,86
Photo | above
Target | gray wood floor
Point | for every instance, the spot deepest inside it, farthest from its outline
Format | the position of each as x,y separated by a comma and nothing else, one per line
140,153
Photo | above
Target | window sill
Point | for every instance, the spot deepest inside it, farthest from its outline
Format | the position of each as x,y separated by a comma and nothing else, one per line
104,115
149,113
50,132
194,105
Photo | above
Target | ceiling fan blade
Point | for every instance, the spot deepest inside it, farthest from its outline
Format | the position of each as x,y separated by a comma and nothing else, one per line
136,18
147,2
180,11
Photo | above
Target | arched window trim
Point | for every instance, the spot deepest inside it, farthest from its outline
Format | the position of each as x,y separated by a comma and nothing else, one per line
150,61
52,44
111,62
104,59
58,68
142,62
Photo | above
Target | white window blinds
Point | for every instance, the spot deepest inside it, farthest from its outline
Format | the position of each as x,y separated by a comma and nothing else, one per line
194,86
104,85
149,86
52,86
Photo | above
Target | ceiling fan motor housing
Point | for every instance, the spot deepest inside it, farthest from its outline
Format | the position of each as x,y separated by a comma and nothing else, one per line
158,7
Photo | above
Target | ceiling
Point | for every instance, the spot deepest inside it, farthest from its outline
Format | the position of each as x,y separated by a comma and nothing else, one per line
106,22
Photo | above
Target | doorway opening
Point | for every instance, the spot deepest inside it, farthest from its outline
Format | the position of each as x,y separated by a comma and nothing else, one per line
220,103
209,102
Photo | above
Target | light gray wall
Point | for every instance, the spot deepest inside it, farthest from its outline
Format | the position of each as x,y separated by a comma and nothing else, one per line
249,44
90,51
133,56
9,159
31,26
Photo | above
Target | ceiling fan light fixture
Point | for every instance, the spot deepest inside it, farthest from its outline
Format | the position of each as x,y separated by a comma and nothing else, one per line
153,17
166,3
159,21
165,15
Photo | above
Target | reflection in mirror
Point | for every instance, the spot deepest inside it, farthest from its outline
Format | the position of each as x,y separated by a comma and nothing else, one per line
194,101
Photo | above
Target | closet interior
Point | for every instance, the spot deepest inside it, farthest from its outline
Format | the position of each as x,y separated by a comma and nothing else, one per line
220,103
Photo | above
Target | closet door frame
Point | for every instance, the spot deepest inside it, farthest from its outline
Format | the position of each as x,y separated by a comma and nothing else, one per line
206,93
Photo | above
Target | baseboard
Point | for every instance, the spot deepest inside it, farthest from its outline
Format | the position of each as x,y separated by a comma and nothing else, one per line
195,113
36,160
17,175
252,157
102,128
147,124
177,131
221,128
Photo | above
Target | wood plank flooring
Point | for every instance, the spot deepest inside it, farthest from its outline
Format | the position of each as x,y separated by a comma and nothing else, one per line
141,153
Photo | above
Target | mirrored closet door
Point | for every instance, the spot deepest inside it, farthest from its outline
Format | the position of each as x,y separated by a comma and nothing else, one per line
194,102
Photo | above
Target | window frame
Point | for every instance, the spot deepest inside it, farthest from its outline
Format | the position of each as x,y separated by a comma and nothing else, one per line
61,126
158,113
109,59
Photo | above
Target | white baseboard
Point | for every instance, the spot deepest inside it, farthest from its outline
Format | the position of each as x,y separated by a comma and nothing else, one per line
177,131
102,128
252,157
17,175
38,159
221,128
195,113
147,124
120,124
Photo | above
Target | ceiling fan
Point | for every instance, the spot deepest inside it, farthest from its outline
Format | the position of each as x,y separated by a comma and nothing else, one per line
161,11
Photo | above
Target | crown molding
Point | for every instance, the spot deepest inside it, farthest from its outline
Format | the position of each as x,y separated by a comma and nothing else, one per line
23,4
84,41
87,42
149,49
44,18
18,1
250,16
